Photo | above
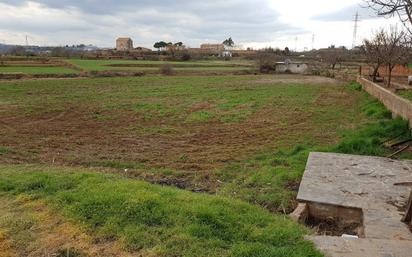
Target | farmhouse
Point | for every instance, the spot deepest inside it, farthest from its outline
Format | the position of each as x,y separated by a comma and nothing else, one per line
124,44
291,67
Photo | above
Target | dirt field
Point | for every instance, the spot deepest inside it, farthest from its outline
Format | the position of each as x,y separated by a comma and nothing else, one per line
183,131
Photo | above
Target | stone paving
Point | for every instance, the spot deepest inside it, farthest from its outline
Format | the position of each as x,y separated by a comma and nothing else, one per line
367,183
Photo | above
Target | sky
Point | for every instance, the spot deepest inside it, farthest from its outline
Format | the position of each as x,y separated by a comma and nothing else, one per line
251,23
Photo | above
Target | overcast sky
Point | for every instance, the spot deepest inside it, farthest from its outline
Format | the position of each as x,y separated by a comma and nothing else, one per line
255,23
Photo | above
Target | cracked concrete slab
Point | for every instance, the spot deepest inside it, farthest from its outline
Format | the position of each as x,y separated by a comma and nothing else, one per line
367,183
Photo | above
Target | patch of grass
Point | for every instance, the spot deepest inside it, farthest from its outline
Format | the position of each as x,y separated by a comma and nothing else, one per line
157,130
4,150
37,70
200,116
153,66
271,179
369,138
164,221
407,94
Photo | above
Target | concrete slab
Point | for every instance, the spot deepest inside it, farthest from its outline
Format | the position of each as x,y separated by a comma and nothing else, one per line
339,247
366,183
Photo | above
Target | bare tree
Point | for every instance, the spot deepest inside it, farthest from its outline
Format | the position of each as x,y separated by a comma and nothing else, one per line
390,8
374,52
333,56
393,50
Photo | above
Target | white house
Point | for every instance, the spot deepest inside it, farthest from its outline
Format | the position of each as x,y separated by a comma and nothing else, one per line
291,67
225,53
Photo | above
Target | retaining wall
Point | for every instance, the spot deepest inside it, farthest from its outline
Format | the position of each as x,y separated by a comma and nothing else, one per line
396,104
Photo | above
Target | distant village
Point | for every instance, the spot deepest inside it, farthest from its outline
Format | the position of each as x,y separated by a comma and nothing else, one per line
268,59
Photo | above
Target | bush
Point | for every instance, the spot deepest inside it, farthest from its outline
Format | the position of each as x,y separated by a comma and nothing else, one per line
266,62
186,57
166,69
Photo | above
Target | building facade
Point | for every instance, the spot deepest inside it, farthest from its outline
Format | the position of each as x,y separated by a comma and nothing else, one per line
291,67
212,47
124,44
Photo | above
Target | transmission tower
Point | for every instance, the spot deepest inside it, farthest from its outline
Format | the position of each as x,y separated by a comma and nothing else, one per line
355,29
27,40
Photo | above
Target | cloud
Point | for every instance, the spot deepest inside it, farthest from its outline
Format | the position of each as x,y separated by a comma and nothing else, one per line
146,21
348,13
100,22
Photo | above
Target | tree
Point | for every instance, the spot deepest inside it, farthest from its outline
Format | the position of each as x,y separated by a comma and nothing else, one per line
229,42
60,52
333,56
374,52
390,8
394,50
160,45
18,51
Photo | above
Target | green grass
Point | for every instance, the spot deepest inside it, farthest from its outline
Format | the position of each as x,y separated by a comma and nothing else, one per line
37,70
407,94
4,150
158,220
231,98
104,65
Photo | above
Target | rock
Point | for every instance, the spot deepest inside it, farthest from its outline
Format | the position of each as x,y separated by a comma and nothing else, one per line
410,80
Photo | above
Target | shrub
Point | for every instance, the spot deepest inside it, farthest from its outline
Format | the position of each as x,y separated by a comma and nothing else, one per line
266,62
186,57
166,69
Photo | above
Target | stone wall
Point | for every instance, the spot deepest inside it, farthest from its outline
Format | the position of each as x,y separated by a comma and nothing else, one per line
397,105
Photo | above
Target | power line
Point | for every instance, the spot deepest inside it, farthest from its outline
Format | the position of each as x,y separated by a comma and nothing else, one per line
355,29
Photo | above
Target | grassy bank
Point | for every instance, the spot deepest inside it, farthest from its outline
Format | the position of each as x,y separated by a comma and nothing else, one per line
154,220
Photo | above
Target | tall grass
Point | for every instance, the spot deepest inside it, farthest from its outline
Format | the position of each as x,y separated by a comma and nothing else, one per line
369,138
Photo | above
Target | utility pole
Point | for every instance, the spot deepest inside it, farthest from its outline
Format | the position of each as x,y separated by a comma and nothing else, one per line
313,41
296,44
355,30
